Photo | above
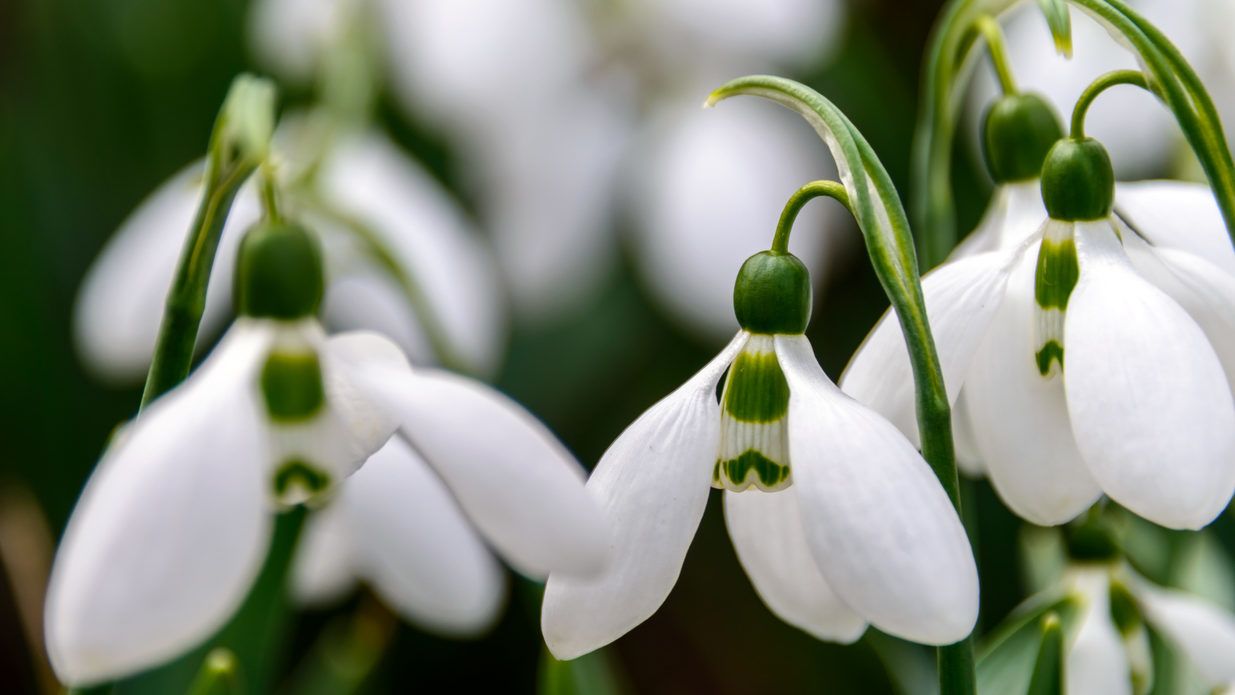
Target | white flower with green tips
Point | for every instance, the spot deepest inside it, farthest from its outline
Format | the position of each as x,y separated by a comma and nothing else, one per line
1095,355
836,518
172,528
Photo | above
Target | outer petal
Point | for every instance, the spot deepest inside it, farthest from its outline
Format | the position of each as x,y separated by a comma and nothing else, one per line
171,529
512,477
882,530
770,540
653,482
1096,661
690,245
1148,398
1204,632
291,35
1020,420
1177,215
1204,290
429,238
120,301
961,298
324,569
413,543
1013,215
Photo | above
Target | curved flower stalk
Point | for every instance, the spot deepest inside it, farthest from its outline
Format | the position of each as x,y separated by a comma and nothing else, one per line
403,258
951,53
1107,610
1091,356
172,528
595,100
814,552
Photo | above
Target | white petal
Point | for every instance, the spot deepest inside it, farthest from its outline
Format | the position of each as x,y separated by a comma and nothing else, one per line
770,540
1020,420
413,543
882,530
961,298
653,482
692,243
324,568
171,529
1014,213
120,302
968,459
427,234
1204,632
372,301
291,35
1205,291
517,483
1177,215
1148,398
1096,661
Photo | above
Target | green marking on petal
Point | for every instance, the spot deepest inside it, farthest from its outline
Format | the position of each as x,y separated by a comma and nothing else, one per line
1050,355
736,473
1058,271
292,386
297,475
1125,611
755,388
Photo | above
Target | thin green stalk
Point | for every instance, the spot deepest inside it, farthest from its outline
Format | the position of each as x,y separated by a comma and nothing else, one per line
990,30
238,144
885,229
797,201
1103,83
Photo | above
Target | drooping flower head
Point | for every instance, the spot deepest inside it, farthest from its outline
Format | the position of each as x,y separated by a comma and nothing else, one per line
835,517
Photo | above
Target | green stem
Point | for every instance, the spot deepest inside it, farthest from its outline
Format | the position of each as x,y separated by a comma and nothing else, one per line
885,229
990,30
1103,83
270,193
797,201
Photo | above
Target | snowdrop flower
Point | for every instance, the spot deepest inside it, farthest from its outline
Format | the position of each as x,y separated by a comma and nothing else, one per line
426,246
1092,357
835,516
172,528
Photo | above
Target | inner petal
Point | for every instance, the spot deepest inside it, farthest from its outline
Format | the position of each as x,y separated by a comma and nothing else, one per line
754,437
1056,276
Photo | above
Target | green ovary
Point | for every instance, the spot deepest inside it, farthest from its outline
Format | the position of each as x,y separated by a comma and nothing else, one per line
754,437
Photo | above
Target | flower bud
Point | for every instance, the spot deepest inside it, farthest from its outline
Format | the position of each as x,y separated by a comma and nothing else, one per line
772,294
1078,182
1018,131
279,272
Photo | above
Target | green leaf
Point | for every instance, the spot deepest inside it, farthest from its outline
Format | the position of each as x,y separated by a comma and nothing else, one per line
590,674
1008,659
1048,670
1059,20
218,675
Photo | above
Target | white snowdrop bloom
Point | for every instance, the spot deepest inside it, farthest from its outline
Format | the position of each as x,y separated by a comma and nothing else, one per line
1143,136
1089,357
172,528
836,518
393,233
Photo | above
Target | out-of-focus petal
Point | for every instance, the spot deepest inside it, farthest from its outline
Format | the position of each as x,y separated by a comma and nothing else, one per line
1149,402
653,482
1177,215
290,36
770,540
882,530
324,568
1096,661
171,529
120,302
1204,633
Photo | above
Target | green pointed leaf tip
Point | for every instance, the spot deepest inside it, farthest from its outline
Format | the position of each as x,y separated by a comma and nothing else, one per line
279,272
1059,21
248,118
1048,669
292,386
218,675
1017,133
772,294
754,448
1078,182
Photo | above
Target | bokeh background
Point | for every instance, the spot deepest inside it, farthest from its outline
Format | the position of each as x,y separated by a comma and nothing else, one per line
102,100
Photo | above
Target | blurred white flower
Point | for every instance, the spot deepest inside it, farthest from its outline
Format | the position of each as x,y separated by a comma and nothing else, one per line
1143,411
172,528
541,98
363,181
866,534
1139,130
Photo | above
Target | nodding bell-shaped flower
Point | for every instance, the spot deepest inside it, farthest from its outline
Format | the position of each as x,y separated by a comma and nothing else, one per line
1090,357
173,526
836,518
